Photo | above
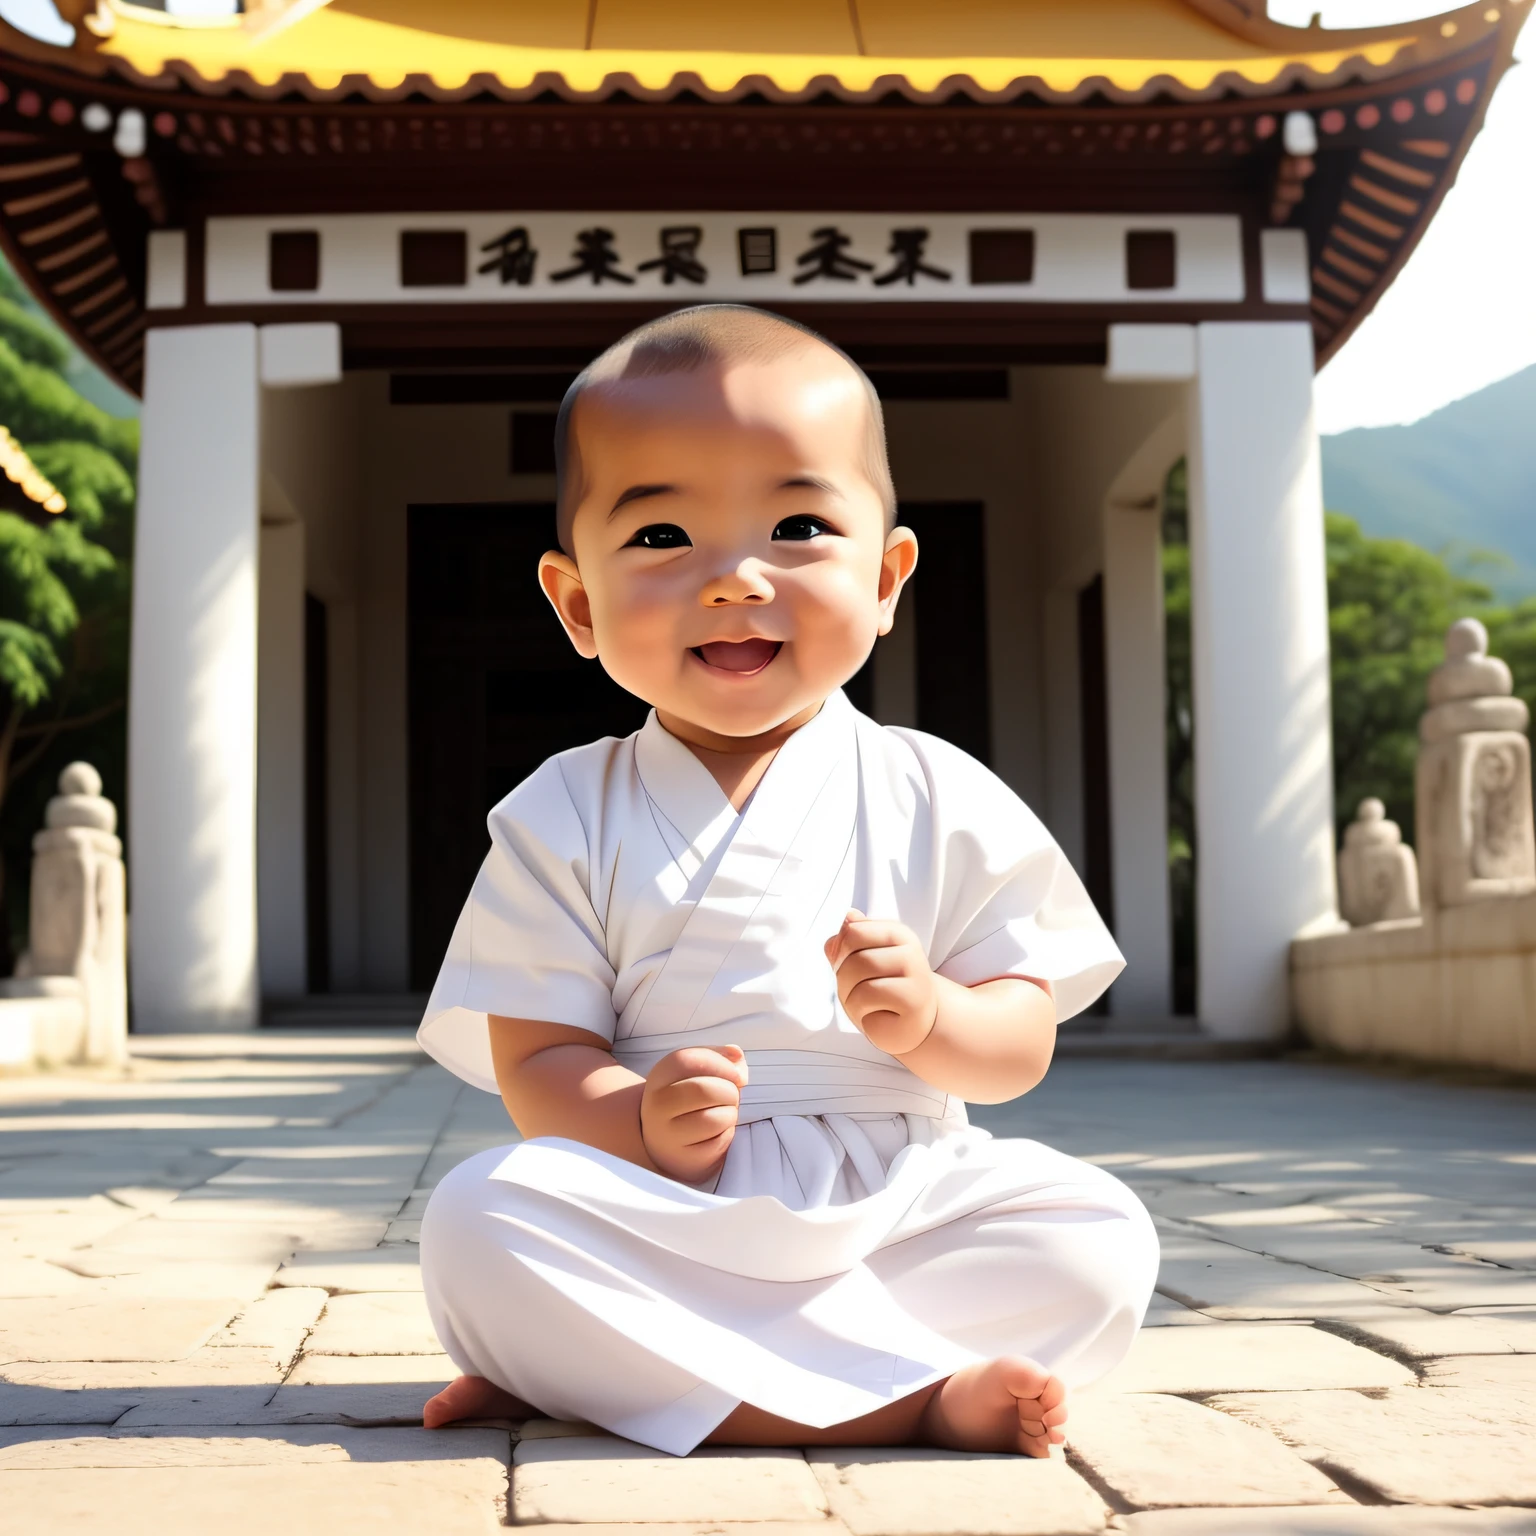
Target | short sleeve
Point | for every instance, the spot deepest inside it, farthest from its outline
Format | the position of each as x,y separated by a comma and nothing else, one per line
528,944
1009,903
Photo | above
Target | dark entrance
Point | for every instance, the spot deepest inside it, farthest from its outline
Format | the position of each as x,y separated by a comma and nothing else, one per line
948,594
495,688
1093,683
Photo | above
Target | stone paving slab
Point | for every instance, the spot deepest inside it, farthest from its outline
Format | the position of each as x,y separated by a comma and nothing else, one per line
827,1527
179,1279
375,1323
445,1498
1166,1313
1482,1371
1413,1334
48,1449
1255,1357
917,1492
103,1392
138,1245
277,1324
1157,1452
366,1269
1378,1256
1230,1282
1398,1520
359,1389
1418,1446
90,1328
604,1479
39,1277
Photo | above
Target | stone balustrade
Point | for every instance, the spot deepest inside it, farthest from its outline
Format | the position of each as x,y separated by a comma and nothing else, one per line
1439,959
67,1004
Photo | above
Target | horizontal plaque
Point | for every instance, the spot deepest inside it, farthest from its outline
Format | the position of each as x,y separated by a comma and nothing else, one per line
531,258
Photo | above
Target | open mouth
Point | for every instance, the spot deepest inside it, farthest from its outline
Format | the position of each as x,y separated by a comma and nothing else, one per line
743,657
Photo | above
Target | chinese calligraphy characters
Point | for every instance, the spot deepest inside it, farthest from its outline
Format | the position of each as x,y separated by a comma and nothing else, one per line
907,247
593,257
513,257
828,257
604,256
679,255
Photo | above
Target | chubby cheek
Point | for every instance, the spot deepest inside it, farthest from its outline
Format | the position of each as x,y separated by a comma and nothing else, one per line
637,639
836,616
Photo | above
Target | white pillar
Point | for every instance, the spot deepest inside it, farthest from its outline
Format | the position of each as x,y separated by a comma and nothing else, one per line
1138,771
343,774
192,721
281,901
1259,600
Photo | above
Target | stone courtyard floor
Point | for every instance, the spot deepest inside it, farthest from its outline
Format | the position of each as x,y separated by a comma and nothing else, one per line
211,1316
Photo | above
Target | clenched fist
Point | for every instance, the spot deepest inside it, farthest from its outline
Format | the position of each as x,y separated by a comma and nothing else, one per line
688,1109
884,982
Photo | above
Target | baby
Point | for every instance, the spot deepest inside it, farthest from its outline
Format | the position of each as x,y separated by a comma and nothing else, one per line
735,975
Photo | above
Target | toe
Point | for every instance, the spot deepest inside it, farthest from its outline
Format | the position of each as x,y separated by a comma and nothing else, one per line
1053,1394
1055,1416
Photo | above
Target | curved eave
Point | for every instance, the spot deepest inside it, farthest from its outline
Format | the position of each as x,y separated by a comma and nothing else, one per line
1332,335
73,214
316,59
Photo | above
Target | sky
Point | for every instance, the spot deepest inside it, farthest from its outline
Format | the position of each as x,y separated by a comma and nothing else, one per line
1461,314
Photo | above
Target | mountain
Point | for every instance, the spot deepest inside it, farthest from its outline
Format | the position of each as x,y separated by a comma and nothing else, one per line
1462,480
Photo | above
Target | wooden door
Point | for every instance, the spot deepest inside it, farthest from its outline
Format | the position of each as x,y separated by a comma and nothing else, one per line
495,689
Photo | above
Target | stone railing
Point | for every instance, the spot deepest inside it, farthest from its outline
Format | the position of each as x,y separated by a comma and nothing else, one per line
1439,960
67,1004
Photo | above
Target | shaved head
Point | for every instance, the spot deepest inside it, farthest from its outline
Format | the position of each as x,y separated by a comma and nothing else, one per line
690,341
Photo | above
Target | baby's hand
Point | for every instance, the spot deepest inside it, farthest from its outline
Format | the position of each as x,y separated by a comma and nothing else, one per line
688,1109
885,982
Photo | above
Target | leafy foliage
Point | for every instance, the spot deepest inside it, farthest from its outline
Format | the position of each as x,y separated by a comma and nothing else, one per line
32,338
1390,604
40,406
64,586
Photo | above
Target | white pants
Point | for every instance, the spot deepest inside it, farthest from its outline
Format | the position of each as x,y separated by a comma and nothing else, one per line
596,1290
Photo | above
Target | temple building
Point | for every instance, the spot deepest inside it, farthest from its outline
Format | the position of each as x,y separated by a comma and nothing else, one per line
351,254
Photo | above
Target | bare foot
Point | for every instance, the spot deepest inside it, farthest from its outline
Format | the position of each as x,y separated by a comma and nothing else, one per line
473,1397
1008,1404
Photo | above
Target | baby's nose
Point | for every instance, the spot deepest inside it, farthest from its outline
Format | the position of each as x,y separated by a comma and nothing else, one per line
746,583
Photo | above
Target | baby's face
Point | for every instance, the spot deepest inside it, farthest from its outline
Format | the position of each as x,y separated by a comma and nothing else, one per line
732,566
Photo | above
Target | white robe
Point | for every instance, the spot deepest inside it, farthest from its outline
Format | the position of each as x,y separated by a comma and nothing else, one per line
861,1240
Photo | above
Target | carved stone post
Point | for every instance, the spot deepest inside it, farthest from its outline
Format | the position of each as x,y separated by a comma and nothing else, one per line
1474,823
78,908
1378,878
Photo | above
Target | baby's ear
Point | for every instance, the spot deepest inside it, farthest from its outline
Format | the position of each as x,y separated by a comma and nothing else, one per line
896,567
562,585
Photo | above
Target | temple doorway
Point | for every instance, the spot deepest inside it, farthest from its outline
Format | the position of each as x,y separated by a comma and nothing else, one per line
494,688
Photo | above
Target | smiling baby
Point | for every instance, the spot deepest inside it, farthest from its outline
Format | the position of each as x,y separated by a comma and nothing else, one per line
736,975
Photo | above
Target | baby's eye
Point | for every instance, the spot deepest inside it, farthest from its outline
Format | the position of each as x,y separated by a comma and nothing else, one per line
660,536
801,526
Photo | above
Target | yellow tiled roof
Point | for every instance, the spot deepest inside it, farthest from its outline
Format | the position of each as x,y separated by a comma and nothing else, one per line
785,49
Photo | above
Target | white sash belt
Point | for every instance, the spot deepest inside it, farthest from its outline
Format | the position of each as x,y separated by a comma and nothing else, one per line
814,1083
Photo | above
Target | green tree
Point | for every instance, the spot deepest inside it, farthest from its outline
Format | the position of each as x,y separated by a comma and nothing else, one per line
1389,605
64,585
